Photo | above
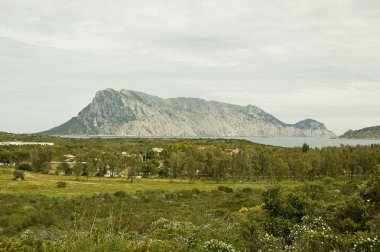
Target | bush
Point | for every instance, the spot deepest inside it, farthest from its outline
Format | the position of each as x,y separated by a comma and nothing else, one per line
120,194
64,168
351,216
371,192
350,187
225,189
218,246
17,175
24,167
328,180
196,191
61,184
247,190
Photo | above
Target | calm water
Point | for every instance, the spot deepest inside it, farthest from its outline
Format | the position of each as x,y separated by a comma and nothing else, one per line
312,142
276,141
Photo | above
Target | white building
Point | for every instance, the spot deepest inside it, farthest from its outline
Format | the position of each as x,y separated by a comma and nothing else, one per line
26,143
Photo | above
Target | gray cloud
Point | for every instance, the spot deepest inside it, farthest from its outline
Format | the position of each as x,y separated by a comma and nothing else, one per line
294,58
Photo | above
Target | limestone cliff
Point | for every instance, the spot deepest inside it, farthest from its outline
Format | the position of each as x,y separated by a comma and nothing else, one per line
131,113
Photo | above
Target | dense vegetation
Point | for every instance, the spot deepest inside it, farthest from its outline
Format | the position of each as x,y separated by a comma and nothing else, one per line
206,159
225,195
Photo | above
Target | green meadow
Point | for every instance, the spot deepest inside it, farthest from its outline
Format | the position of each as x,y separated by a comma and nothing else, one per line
44,184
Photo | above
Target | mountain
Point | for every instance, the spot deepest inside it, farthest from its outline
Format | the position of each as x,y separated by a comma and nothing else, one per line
131,113
369,132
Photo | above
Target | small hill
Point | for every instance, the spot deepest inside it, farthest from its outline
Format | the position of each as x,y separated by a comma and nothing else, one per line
369,133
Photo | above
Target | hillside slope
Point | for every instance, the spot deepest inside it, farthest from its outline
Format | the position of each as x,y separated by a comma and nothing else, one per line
369,133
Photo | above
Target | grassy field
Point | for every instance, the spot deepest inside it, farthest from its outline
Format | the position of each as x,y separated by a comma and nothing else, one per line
112,214
44,184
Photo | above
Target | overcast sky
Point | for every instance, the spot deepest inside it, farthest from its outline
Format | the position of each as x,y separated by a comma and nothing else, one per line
296,59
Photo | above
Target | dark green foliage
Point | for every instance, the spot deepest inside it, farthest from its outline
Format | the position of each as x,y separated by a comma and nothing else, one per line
61,184
272,200
225,189
350,187
327,180
351,216
41,158
64,168
5,157
372,191
18,175
305,147
247,190
120,194
196,191
24,167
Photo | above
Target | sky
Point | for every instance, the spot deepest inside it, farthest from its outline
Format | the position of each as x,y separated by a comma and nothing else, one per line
295,59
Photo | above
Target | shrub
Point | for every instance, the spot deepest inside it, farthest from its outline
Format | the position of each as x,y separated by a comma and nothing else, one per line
120,194
225,189
313,234
371,192
247,190
17,175
350,187
218,246
312,191
328,180
25,167
64,168
61,184
351,216
365,242
196,191
16,244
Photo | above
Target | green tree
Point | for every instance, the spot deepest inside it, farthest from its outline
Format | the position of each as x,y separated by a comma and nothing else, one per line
5,157
41,159
222,165
64,168
78,169
305,148
241,167
372,190
176,163
21,156
281,169
24,167
330,164
133,165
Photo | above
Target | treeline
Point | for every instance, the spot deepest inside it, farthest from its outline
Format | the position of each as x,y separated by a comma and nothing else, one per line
265,162
206,159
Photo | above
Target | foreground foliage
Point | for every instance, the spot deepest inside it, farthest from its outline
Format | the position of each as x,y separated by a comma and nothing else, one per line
194,195
310,217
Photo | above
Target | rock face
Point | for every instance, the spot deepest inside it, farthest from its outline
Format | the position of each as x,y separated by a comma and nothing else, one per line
369,133
130,113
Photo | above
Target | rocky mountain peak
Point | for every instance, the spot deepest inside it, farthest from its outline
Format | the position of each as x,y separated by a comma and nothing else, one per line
309,123
135,113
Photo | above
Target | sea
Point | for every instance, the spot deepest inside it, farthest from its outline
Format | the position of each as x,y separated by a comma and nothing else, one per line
312,142
275,141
